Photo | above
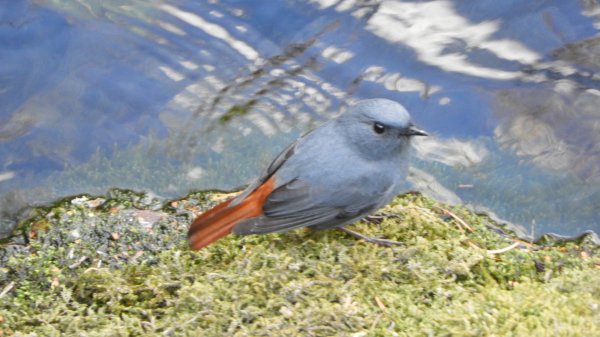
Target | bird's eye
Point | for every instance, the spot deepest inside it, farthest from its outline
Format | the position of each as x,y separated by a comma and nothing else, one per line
378,128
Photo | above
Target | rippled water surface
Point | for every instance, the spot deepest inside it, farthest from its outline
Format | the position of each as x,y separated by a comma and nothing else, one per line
170,96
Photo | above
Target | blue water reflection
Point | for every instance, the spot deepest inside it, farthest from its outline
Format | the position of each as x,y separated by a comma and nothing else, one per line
168,96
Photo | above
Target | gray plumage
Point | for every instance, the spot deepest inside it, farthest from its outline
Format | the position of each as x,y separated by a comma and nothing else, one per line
338,173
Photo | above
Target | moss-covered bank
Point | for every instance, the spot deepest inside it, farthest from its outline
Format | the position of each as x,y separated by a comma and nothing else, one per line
119,266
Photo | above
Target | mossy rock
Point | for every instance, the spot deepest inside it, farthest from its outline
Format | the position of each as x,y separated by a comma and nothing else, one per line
119,266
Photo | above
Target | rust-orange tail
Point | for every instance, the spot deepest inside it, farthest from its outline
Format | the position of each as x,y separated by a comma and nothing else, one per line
218,221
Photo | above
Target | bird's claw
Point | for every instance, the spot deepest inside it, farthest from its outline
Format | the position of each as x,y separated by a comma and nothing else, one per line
377,241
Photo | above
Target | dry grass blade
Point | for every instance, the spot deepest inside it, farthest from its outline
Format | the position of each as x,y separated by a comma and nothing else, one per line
461,223
380,304
504,250
7,289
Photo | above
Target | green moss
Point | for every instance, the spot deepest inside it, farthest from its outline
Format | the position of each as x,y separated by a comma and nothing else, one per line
120,266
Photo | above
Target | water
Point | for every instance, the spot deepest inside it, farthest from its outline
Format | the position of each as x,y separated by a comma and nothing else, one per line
172,96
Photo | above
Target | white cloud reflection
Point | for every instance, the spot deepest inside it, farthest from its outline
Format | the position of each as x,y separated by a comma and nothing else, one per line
398,82
214,30
430,27
337,55
451,152
7,175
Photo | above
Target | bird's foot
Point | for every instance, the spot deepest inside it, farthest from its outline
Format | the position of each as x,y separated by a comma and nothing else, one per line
379,217
377,241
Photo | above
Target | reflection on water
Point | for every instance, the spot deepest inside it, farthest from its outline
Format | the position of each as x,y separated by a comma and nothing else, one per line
558,132
169,96
440,36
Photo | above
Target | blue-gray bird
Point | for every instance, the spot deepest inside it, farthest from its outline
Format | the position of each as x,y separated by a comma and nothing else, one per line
334,175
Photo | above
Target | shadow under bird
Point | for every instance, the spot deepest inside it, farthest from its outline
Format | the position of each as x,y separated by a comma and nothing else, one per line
333,176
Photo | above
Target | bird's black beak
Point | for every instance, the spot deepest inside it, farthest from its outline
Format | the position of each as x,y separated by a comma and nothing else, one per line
414,131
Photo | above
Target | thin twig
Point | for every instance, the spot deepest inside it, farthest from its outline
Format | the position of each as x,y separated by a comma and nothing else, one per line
460,221
380,304
78,263
504,250
473,245
524,243
7,289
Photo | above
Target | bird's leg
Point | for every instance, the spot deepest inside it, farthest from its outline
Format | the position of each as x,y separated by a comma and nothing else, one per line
379,217
381,242
374,219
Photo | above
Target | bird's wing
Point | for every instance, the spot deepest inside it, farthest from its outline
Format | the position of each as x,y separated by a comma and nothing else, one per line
273,167
299,204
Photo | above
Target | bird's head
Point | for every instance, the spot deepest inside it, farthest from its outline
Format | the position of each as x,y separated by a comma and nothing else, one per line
378,127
